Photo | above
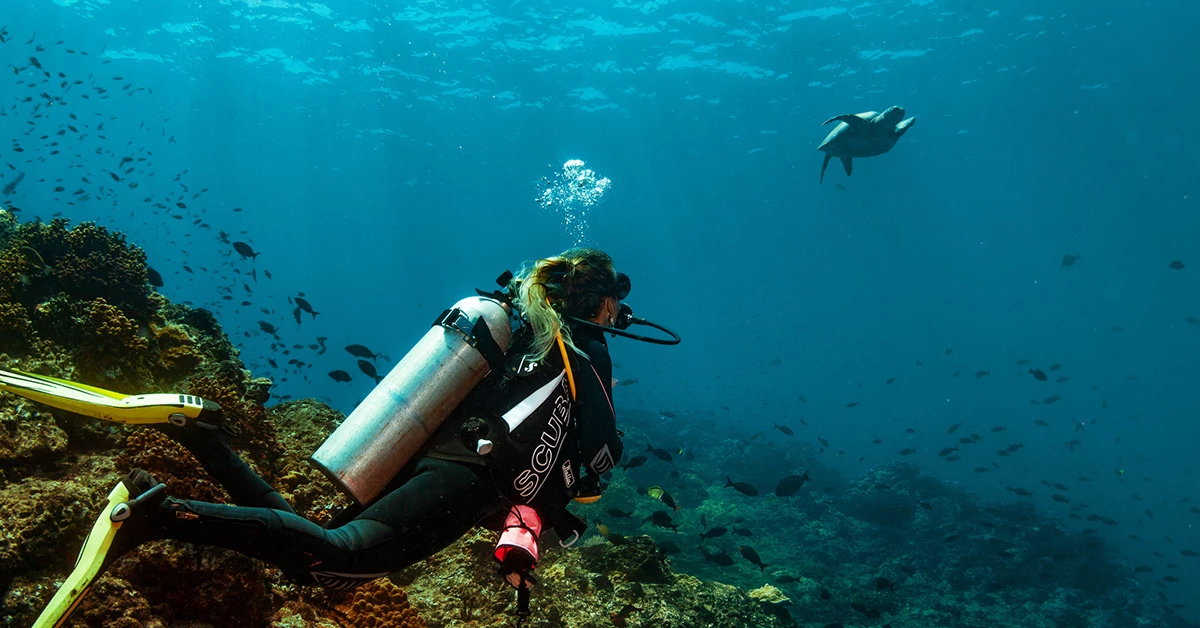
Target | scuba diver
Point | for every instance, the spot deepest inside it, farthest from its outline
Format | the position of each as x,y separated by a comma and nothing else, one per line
521,383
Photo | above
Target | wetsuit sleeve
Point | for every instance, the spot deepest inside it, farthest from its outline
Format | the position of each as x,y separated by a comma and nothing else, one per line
598,440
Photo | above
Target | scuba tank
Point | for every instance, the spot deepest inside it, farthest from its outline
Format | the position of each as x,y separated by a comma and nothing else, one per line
383,433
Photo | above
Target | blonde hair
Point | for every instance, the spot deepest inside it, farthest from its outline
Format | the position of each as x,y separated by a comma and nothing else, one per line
573,283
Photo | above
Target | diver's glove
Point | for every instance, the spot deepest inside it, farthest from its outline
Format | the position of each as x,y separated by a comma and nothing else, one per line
518,579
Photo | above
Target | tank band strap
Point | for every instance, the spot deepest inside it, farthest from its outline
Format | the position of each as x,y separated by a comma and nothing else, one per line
479,335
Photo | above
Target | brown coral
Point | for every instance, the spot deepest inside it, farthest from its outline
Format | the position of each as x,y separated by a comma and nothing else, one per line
178,355
40,518
15,327
378,604
169,463
185,582
85,263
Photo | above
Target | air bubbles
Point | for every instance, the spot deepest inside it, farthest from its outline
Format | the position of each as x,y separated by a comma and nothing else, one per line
572,193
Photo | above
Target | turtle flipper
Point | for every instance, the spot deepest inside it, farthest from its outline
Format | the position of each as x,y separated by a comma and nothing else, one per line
848,165
856,123
824,166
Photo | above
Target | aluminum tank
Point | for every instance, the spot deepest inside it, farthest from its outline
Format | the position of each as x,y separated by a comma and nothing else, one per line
381,435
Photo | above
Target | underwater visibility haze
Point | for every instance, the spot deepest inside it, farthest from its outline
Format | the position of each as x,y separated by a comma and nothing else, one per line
951,382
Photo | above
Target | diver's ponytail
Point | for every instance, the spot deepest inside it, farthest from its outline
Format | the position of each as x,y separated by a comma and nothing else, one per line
574,283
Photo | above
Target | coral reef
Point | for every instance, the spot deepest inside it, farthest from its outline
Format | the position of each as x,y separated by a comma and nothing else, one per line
584,587
75,303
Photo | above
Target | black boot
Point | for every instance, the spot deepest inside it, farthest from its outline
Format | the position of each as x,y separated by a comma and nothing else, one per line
138,519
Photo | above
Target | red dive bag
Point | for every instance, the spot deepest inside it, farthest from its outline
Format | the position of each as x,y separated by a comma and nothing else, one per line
517,550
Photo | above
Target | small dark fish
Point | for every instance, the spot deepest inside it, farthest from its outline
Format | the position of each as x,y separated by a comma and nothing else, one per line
1041,423
824,443
1069,260
883,583
339,376
296,315
618,513
661,454
952,538
741,487
368,369
269,328
787,579
634,462
627,382
1189,553
852,404
1060,499
749,554
947,451
790,485
908,451
154,277
999,428
669,547
713,533
981,374
743,532
244,250
721,559
304,305
1038,374
785,429
1176,265
661,519
1019,491
360,351
953,428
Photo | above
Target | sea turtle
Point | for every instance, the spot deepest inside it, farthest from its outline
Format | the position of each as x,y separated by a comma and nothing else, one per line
863,135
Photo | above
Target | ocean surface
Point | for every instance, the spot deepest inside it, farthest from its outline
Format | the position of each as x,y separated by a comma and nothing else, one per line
382,160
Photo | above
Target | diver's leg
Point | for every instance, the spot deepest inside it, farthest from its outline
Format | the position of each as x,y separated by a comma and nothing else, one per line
245,486
439,503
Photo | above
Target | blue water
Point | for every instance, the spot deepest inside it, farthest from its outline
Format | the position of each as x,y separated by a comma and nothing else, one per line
388,158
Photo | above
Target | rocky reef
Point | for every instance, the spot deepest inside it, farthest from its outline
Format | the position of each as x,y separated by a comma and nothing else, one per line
75,303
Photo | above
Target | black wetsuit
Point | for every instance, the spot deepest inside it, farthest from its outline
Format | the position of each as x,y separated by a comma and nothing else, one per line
439,496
